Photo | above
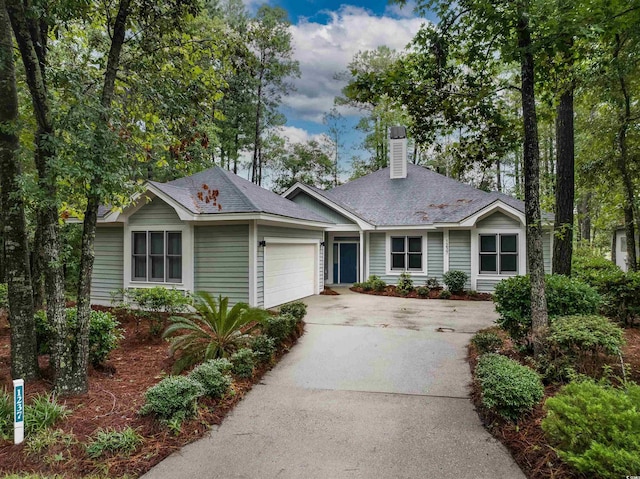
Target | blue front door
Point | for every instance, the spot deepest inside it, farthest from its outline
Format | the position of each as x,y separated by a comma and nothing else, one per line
348,265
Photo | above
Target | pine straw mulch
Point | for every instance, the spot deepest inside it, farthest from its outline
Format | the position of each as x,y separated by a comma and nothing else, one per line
329,292
391,290
115,395
526,440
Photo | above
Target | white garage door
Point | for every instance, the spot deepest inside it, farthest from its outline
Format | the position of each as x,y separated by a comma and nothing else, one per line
290,272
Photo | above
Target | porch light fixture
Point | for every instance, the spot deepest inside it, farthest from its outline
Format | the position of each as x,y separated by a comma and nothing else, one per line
322,244
262,243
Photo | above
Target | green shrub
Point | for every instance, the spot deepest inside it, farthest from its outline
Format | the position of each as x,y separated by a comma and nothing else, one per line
455,280
104,333
223,364
422,291
214,331
445,294
565,297
4,296
113,442
43,412
358,285
596,428
6,414
621,294
508,388
579,344
174,398
588,266
243,363
279,327
432,283
155,304
487,342
374,283
263,347
405,284
297,309
216,384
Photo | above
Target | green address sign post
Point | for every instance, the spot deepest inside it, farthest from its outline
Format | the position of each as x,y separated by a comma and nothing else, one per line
18,411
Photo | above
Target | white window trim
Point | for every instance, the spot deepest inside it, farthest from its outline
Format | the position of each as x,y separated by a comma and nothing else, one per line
187,256
475,254
413,234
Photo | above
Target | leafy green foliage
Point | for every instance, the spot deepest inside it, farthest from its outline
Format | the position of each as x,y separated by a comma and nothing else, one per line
222,364
487,342
596,428
243,363
579,344
432,283
39,443
565,297
586,264
4,298
43,412
104,333
445,294
423,291
455,280
214,331
297,309
263,347
173,399
6,414
156,303
215,382
508,387
405,284
111,441
279,327
620,291
374,283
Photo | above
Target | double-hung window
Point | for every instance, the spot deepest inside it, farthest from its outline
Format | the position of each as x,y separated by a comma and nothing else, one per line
499,254
156,256
406,253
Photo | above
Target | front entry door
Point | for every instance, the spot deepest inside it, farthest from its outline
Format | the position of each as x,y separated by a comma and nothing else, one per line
348,265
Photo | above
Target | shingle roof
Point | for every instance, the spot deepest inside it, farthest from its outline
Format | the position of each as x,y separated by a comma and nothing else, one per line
232,195
424,197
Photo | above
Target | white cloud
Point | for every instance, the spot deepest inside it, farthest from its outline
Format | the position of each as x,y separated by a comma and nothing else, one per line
325,49
298,135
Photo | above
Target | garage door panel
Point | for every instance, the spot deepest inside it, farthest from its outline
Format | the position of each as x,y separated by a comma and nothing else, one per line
290,272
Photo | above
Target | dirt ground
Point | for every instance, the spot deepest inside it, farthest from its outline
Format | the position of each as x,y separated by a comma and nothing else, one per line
116,394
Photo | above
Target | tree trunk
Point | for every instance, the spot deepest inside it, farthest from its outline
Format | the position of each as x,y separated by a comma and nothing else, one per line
258,131
24,355
565,186
77,379
498,176
32,45
531,156
584,219
37,265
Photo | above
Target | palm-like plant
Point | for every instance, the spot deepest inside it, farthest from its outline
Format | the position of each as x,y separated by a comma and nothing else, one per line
213,331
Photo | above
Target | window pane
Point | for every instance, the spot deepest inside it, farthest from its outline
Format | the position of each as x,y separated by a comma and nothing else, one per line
157,268
397,245
397,261
488,263
174,243
140,268
415,245
415,261
139,243
508,263
508,243
488,244
157,242
174,269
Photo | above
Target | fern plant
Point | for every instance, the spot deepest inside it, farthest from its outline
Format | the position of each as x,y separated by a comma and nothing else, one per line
213,331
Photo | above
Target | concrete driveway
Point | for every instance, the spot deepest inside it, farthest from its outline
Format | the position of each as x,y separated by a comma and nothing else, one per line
372,390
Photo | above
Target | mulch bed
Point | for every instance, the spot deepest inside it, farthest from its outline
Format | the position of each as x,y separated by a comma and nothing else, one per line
526,440
116,394
390,290
329,292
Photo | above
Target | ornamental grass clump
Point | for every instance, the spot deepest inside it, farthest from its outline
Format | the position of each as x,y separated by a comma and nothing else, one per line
112,442
595,428
508,388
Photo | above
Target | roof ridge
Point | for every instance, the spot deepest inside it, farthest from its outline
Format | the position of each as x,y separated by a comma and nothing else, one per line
229,181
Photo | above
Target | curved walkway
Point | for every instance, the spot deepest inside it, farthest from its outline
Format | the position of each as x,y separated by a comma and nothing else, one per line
372,390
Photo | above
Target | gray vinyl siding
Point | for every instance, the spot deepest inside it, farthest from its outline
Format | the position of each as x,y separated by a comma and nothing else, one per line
460,252
221,261
277,232
109,263
312,204
434,258
498,221
157,212
546,250
484,285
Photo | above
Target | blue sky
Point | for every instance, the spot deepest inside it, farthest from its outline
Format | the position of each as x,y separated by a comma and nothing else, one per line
326,35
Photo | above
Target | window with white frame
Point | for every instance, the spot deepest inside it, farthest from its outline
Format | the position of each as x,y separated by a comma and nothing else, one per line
406,253
156,256
499,254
